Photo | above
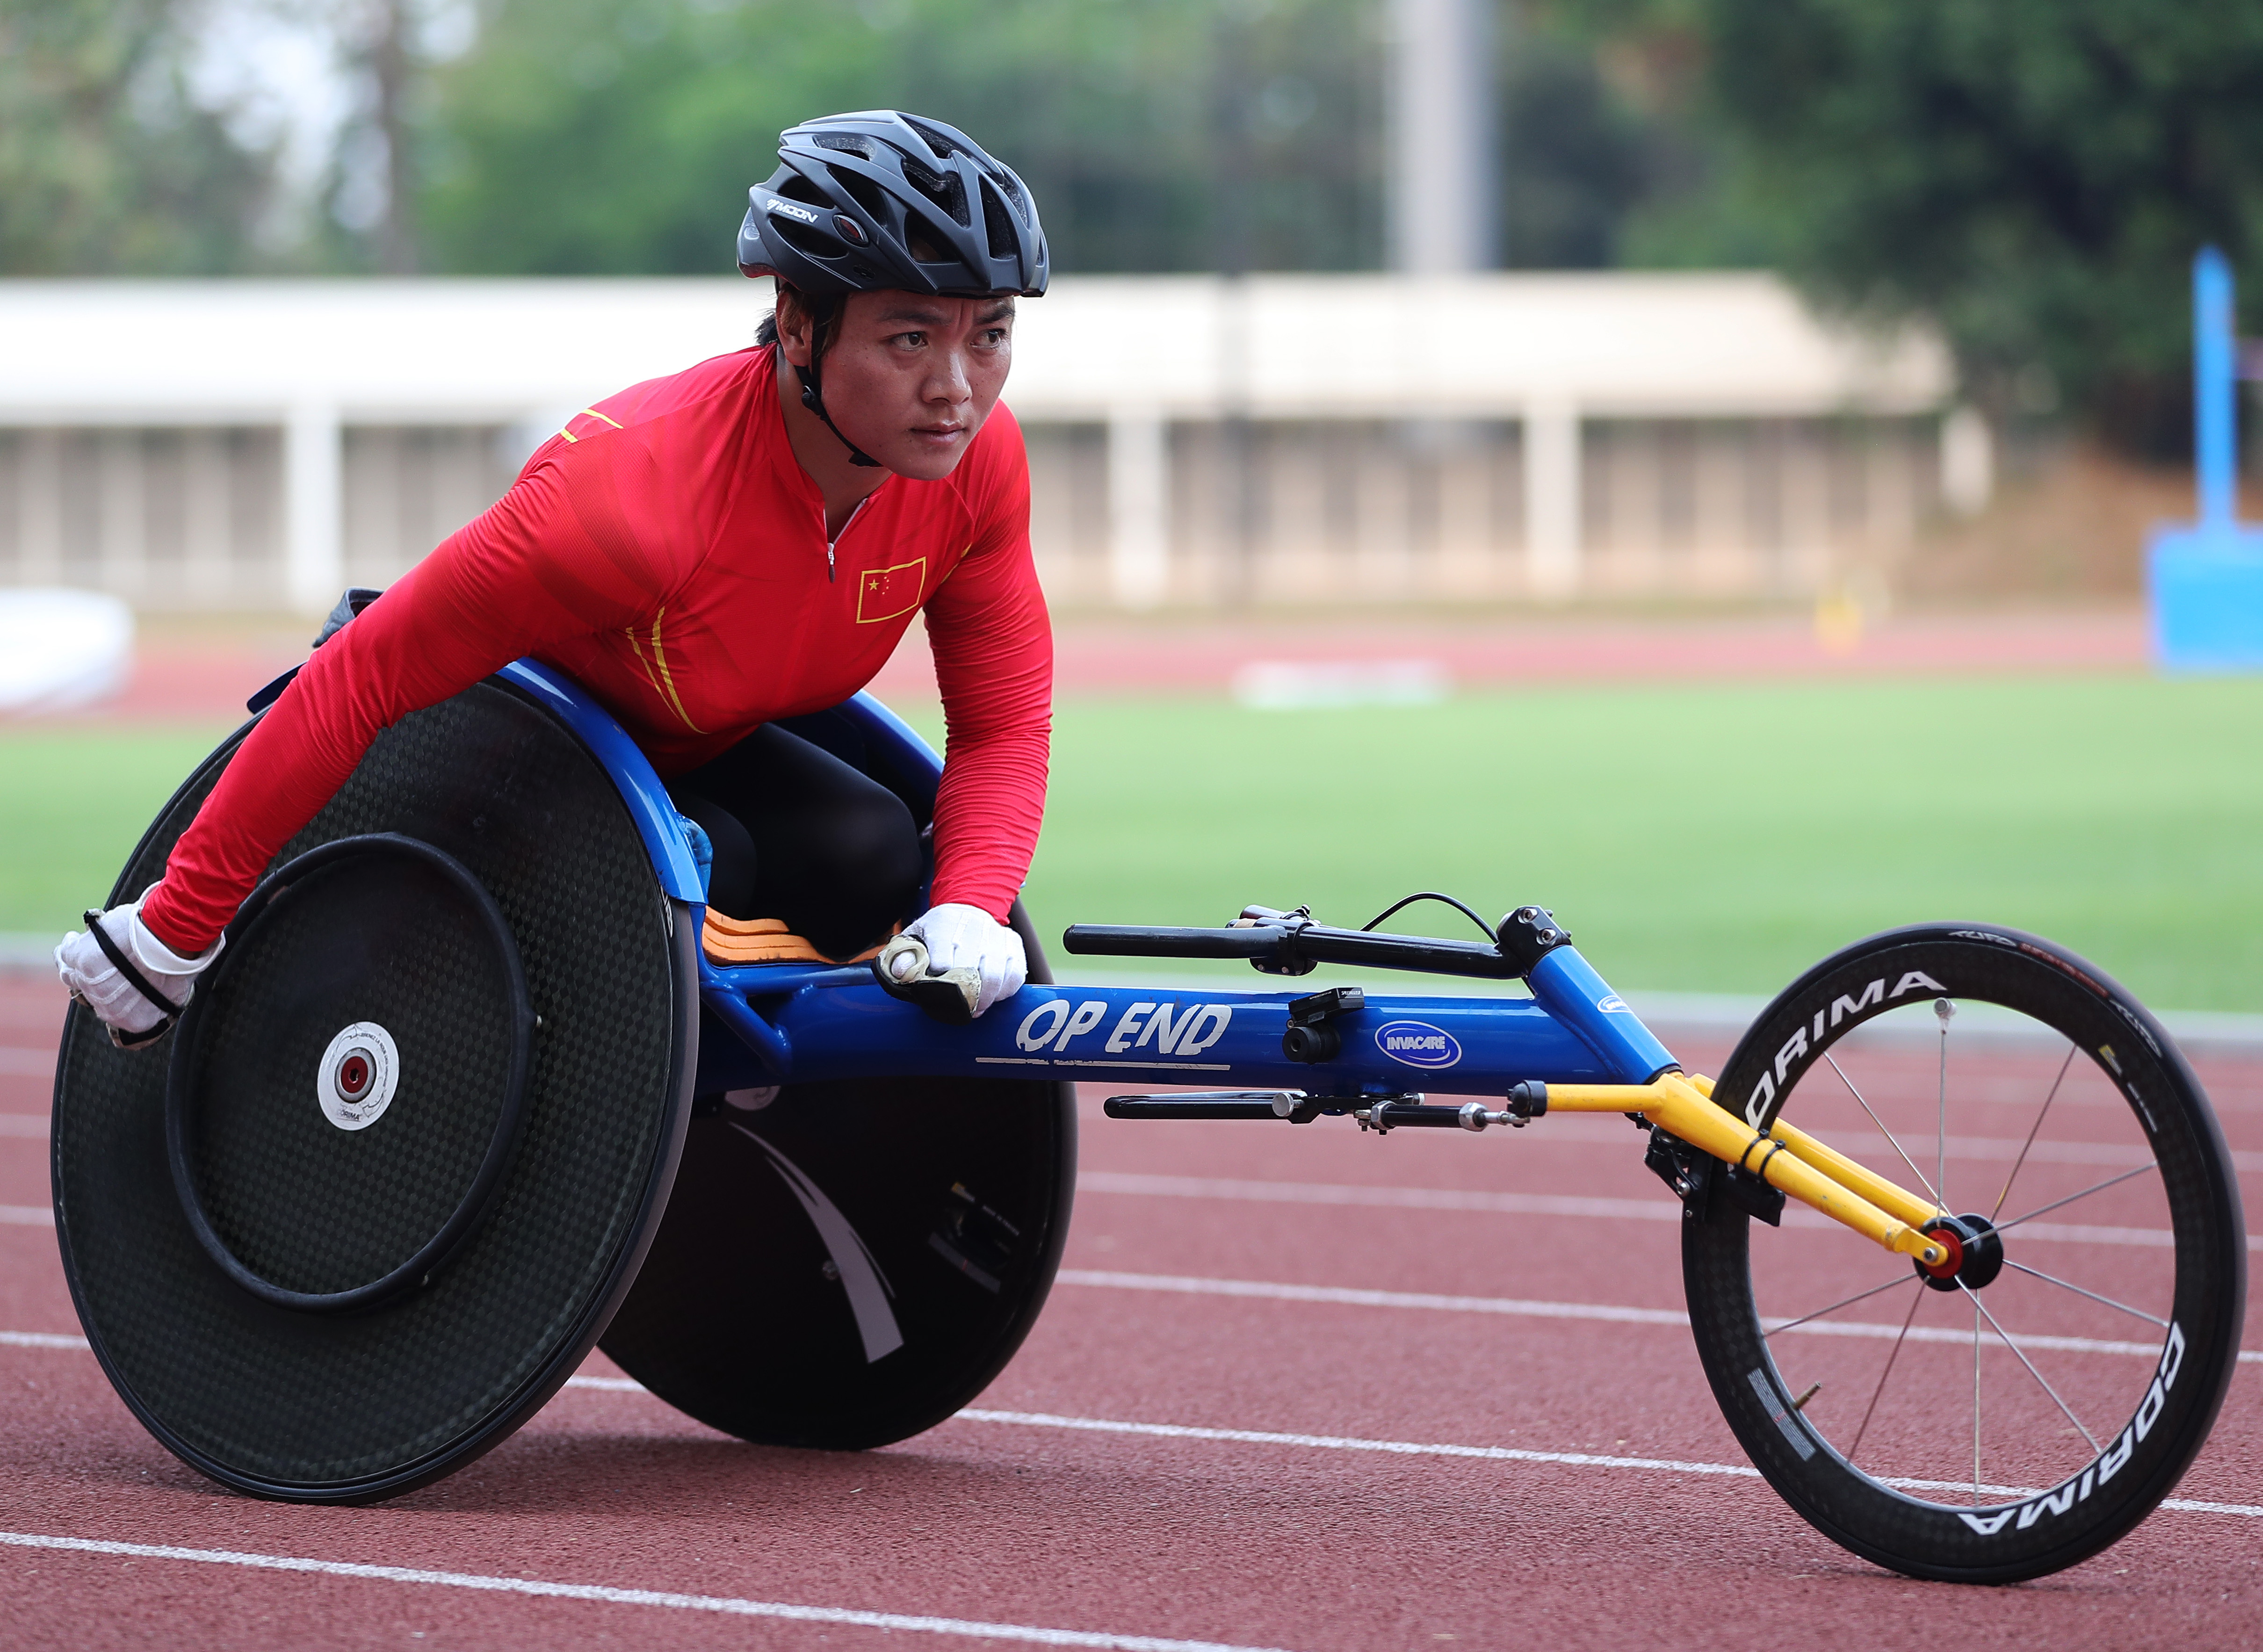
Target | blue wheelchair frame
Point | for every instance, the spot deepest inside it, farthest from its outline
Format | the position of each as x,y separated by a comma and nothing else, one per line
798,1023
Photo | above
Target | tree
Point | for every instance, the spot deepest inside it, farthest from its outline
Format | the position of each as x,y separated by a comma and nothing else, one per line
2034,175
622,135
1575,161
107,164
372,192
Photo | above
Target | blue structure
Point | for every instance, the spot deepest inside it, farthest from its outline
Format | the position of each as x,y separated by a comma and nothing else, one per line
2207,577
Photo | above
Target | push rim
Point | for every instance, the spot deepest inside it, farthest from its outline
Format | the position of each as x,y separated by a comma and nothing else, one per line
2013,1413
273,897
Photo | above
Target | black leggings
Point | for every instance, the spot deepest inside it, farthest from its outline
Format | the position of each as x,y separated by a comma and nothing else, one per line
799,835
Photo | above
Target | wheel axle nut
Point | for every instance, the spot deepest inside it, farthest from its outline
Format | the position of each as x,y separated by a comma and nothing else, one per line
1952,1256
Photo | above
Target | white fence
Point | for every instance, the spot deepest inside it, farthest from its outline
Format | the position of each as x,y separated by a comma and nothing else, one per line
250,444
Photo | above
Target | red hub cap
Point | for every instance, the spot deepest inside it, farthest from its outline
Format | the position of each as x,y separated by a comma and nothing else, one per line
1945,1237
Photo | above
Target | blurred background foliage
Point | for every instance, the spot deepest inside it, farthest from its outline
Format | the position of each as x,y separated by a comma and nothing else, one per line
108,164
620,135
2032,175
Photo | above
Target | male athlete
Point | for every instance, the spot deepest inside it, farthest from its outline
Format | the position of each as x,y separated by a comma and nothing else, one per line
707,553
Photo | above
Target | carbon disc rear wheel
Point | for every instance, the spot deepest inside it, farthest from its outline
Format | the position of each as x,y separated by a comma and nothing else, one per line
420,1206
846,1265
2015,1414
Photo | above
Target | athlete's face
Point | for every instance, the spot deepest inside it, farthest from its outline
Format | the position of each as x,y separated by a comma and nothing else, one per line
910,380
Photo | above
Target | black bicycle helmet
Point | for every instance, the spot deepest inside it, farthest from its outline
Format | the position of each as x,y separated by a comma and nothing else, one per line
882,199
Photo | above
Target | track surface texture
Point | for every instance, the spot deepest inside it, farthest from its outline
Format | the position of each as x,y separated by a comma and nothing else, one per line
190,672
1264,1307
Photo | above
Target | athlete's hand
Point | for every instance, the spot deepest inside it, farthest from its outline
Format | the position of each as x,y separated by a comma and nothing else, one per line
90,976
967,938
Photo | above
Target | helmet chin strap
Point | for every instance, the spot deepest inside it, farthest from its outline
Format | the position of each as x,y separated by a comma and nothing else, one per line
813,395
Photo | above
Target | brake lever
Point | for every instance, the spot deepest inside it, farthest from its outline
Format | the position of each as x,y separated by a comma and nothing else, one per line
904,971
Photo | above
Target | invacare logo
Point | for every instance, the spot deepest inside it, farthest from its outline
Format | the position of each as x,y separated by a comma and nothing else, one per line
1417,1043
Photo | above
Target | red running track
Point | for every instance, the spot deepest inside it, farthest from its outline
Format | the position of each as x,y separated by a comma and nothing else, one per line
207,677
611,1520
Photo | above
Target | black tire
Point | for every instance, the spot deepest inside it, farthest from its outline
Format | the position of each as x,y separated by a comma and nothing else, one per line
846,1265
290,1397
1901,1423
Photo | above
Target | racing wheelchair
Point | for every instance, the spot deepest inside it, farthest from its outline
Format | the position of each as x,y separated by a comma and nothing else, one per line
465,1096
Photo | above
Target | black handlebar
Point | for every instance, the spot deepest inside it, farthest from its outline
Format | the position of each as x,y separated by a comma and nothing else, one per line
1295,945
1133,941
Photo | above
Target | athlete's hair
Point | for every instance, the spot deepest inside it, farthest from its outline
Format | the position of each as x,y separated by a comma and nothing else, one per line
827,322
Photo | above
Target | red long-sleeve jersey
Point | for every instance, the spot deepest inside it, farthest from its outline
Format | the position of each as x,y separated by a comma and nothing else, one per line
667,553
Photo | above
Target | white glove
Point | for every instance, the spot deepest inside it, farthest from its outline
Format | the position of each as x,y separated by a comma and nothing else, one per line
967,938
89,976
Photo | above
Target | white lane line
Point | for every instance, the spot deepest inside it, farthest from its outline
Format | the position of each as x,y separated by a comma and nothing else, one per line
2007,1149
725,1603
19,1061
1546,1310
2060,1232
1325,1442
1518,1308
40,1339
1346,1297
1567,1206
1495,1454
1337,1442
57,1339
1610,1130
31,1126
1664,1209
1411,1448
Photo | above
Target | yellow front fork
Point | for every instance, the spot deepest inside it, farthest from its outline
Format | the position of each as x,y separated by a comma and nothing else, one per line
1788,1158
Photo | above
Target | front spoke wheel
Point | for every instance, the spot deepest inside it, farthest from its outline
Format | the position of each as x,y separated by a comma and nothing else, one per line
2011,1420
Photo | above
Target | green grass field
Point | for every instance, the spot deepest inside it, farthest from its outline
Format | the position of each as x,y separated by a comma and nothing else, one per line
74,801
1699,838
1695,839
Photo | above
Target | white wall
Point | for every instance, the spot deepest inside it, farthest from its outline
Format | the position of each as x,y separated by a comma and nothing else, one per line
1552,353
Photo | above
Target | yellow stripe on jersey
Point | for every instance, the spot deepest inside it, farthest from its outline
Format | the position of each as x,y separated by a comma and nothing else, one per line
663,684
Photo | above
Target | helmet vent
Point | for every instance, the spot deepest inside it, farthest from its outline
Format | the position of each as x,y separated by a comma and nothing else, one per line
949,194
848,144
944,148
802,238
998,224
862,190
926,241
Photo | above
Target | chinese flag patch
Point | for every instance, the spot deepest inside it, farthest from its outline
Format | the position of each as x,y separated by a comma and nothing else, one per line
889,593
